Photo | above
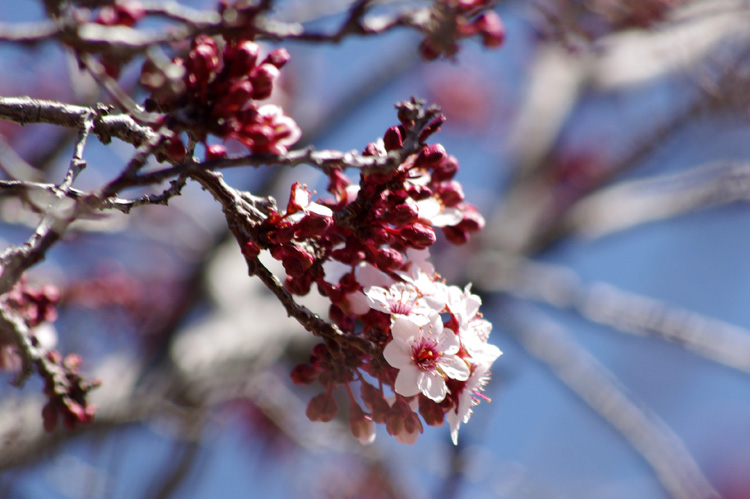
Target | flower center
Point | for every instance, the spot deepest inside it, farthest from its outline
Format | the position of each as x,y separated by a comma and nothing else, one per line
403,302
425,355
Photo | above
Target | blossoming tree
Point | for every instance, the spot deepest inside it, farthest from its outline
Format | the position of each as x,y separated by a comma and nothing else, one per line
181,126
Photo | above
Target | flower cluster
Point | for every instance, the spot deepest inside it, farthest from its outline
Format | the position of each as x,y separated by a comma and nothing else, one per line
367,251
215,90
453,20
36,307
66,389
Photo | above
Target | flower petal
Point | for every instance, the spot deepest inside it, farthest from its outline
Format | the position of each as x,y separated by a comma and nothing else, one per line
398,353
406,381
454,367
433,386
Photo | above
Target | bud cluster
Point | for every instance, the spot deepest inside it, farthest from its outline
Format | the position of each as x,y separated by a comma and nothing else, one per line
367,251
64,386
215,89
66,391
454,20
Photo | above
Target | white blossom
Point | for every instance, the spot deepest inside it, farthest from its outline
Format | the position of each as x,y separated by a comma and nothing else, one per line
424,354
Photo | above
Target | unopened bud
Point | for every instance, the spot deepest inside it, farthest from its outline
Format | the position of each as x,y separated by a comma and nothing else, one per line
242,57
392,139
388,259
322,408
278,58
304,374
418,236
215,151
429,156
263,78
446,169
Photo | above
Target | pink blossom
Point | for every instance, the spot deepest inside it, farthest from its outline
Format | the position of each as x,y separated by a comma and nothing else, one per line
468,398
433,211
424,355
401,299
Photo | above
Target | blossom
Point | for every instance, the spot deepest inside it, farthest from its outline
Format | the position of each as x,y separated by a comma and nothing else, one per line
400,299
433,211
301,203
424,354
467,398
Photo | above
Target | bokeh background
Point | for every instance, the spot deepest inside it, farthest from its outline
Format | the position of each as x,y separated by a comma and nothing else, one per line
609,156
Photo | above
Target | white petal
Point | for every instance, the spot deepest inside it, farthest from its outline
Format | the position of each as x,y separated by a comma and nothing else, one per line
406,382
358,303
447,218
319,209
368,275
406,327
454,367
454,422
378,298
398,354
433,386
429,208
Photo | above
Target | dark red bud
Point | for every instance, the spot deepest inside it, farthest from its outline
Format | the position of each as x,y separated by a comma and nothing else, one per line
431,412
371,150
242,57
419,192
322,407
432,127
239,94
296,261
490,27
451,193
473,221
403,214
299,286
445,169
278,58
129,13
392,139
263,78
348,256
388,259
418,236
215,151
176,150
312,225
250,250
379,235
456,235
304,374
428,50
429,156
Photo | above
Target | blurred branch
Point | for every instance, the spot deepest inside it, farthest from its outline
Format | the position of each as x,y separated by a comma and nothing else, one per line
647,433
124,41
631,203
24,110
624,311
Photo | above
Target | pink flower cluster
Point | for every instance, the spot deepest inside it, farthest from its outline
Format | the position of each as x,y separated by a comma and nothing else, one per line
218,93
367,251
